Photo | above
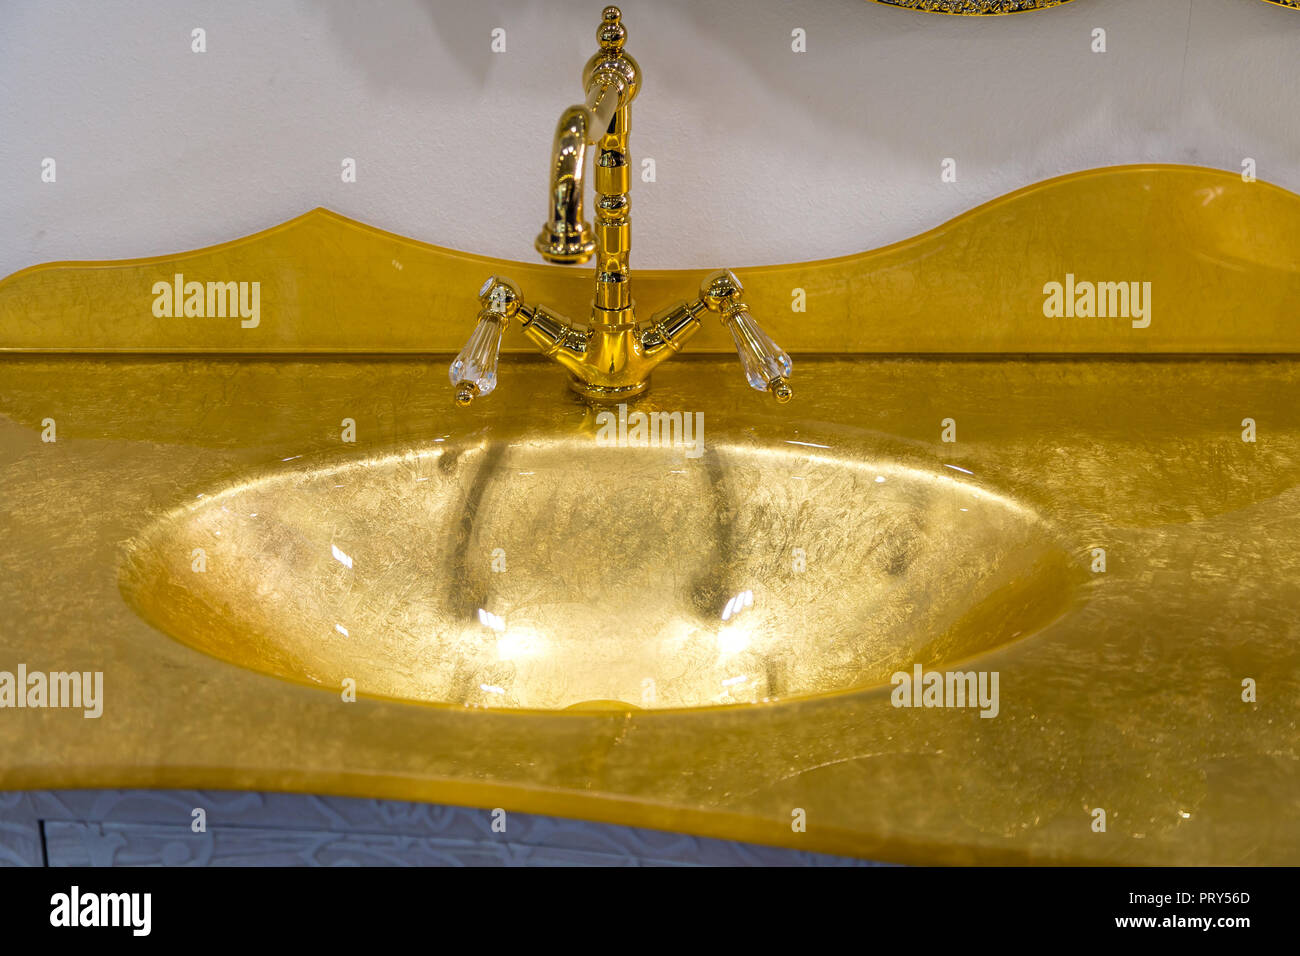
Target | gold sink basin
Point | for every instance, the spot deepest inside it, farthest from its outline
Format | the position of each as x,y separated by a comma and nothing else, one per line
555,573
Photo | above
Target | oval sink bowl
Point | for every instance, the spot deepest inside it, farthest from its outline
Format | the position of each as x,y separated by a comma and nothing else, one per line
565,575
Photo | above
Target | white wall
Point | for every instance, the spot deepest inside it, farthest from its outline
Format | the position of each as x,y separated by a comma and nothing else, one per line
763,155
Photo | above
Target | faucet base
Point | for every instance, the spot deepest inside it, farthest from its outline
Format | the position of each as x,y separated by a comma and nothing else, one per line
608,394
566,245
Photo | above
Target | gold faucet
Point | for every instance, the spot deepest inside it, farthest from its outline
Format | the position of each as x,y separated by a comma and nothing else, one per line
609,360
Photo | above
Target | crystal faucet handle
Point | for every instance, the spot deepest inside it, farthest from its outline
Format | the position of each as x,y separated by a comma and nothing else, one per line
474,372
767,366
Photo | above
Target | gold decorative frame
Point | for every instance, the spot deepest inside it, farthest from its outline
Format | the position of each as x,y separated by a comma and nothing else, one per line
974,8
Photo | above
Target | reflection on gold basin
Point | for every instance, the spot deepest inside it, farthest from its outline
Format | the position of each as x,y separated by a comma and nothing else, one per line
556,573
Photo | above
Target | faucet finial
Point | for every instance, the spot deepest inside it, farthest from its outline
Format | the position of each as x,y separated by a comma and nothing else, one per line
611,34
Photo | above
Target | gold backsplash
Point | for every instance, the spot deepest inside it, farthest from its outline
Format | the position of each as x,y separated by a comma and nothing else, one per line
1207,241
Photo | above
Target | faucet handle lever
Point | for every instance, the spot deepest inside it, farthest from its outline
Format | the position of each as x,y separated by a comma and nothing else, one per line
474,371
767,366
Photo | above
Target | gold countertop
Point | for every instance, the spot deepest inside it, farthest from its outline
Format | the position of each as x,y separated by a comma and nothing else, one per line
1130,700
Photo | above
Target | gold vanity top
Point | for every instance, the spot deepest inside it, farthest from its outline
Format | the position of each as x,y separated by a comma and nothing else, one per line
1123,693
1159,686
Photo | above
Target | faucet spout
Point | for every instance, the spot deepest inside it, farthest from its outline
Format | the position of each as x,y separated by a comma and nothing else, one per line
566,236
609,81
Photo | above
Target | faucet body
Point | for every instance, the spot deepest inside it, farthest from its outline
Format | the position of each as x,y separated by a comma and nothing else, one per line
611,358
